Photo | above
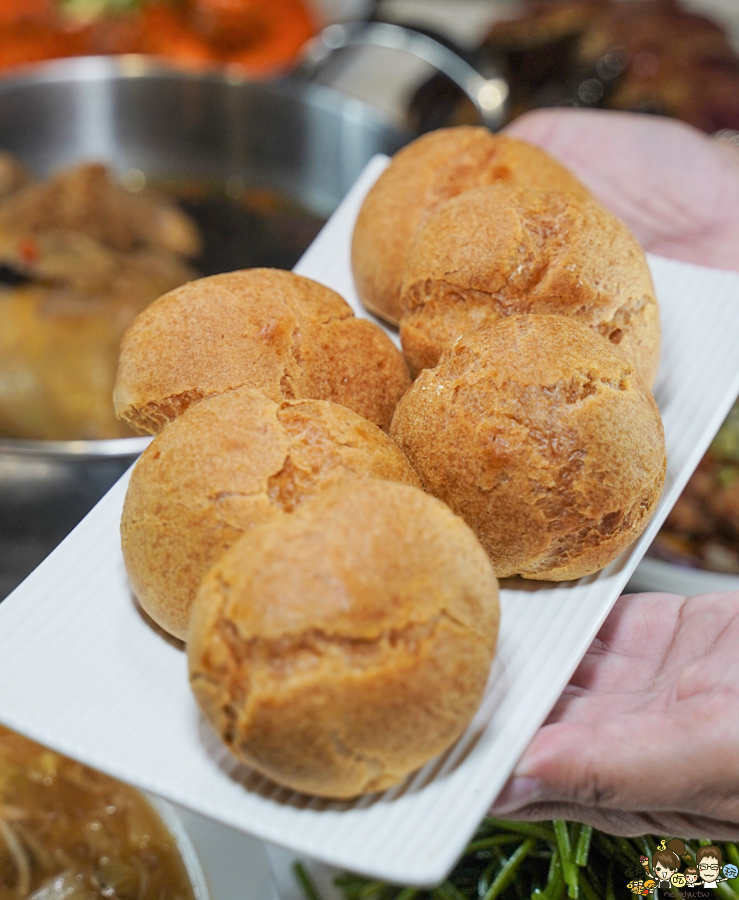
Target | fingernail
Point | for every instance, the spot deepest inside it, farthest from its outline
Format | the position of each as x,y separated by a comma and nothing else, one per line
518,792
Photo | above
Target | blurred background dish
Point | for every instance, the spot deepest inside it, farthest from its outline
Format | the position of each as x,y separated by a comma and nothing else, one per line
654,56
670,57
702,531
68,832
257,166
697,550
72,832
80,257
260,38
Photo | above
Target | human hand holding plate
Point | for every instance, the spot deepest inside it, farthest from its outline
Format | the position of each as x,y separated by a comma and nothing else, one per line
642,740
676,188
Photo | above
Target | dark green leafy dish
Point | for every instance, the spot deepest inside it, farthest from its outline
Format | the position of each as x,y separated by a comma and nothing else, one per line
539,861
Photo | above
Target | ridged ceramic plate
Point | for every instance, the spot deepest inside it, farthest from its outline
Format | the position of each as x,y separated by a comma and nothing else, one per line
80,669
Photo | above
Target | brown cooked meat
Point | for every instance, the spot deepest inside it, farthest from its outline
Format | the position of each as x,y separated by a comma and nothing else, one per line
80,258
88,201
652,56
13,174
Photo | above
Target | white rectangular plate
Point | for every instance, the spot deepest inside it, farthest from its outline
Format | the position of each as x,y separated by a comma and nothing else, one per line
81,670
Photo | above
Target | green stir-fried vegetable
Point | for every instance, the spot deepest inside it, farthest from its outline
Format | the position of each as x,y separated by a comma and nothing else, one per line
543,861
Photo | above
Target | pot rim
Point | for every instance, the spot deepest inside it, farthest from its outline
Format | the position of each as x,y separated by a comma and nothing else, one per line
112,448
136,66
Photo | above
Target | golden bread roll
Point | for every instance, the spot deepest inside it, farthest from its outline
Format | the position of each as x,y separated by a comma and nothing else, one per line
285,335
421,176
340,648
544,438
228,464
505,250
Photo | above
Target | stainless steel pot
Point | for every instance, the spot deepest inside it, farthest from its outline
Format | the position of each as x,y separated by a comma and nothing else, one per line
303,139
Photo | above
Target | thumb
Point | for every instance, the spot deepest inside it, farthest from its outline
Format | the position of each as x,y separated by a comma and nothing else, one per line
629,762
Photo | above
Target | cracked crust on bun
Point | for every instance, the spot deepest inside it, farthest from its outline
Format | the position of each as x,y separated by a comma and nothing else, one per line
342,647
544,438
285,335
428,172
225,466
505,250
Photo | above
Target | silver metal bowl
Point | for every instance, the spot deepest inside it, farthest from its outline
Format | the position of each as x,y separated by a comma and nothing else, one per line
304,140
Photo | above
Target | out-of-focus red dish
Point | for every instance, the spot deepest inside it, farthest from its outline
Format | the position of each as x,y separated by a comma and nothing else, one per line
261,36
